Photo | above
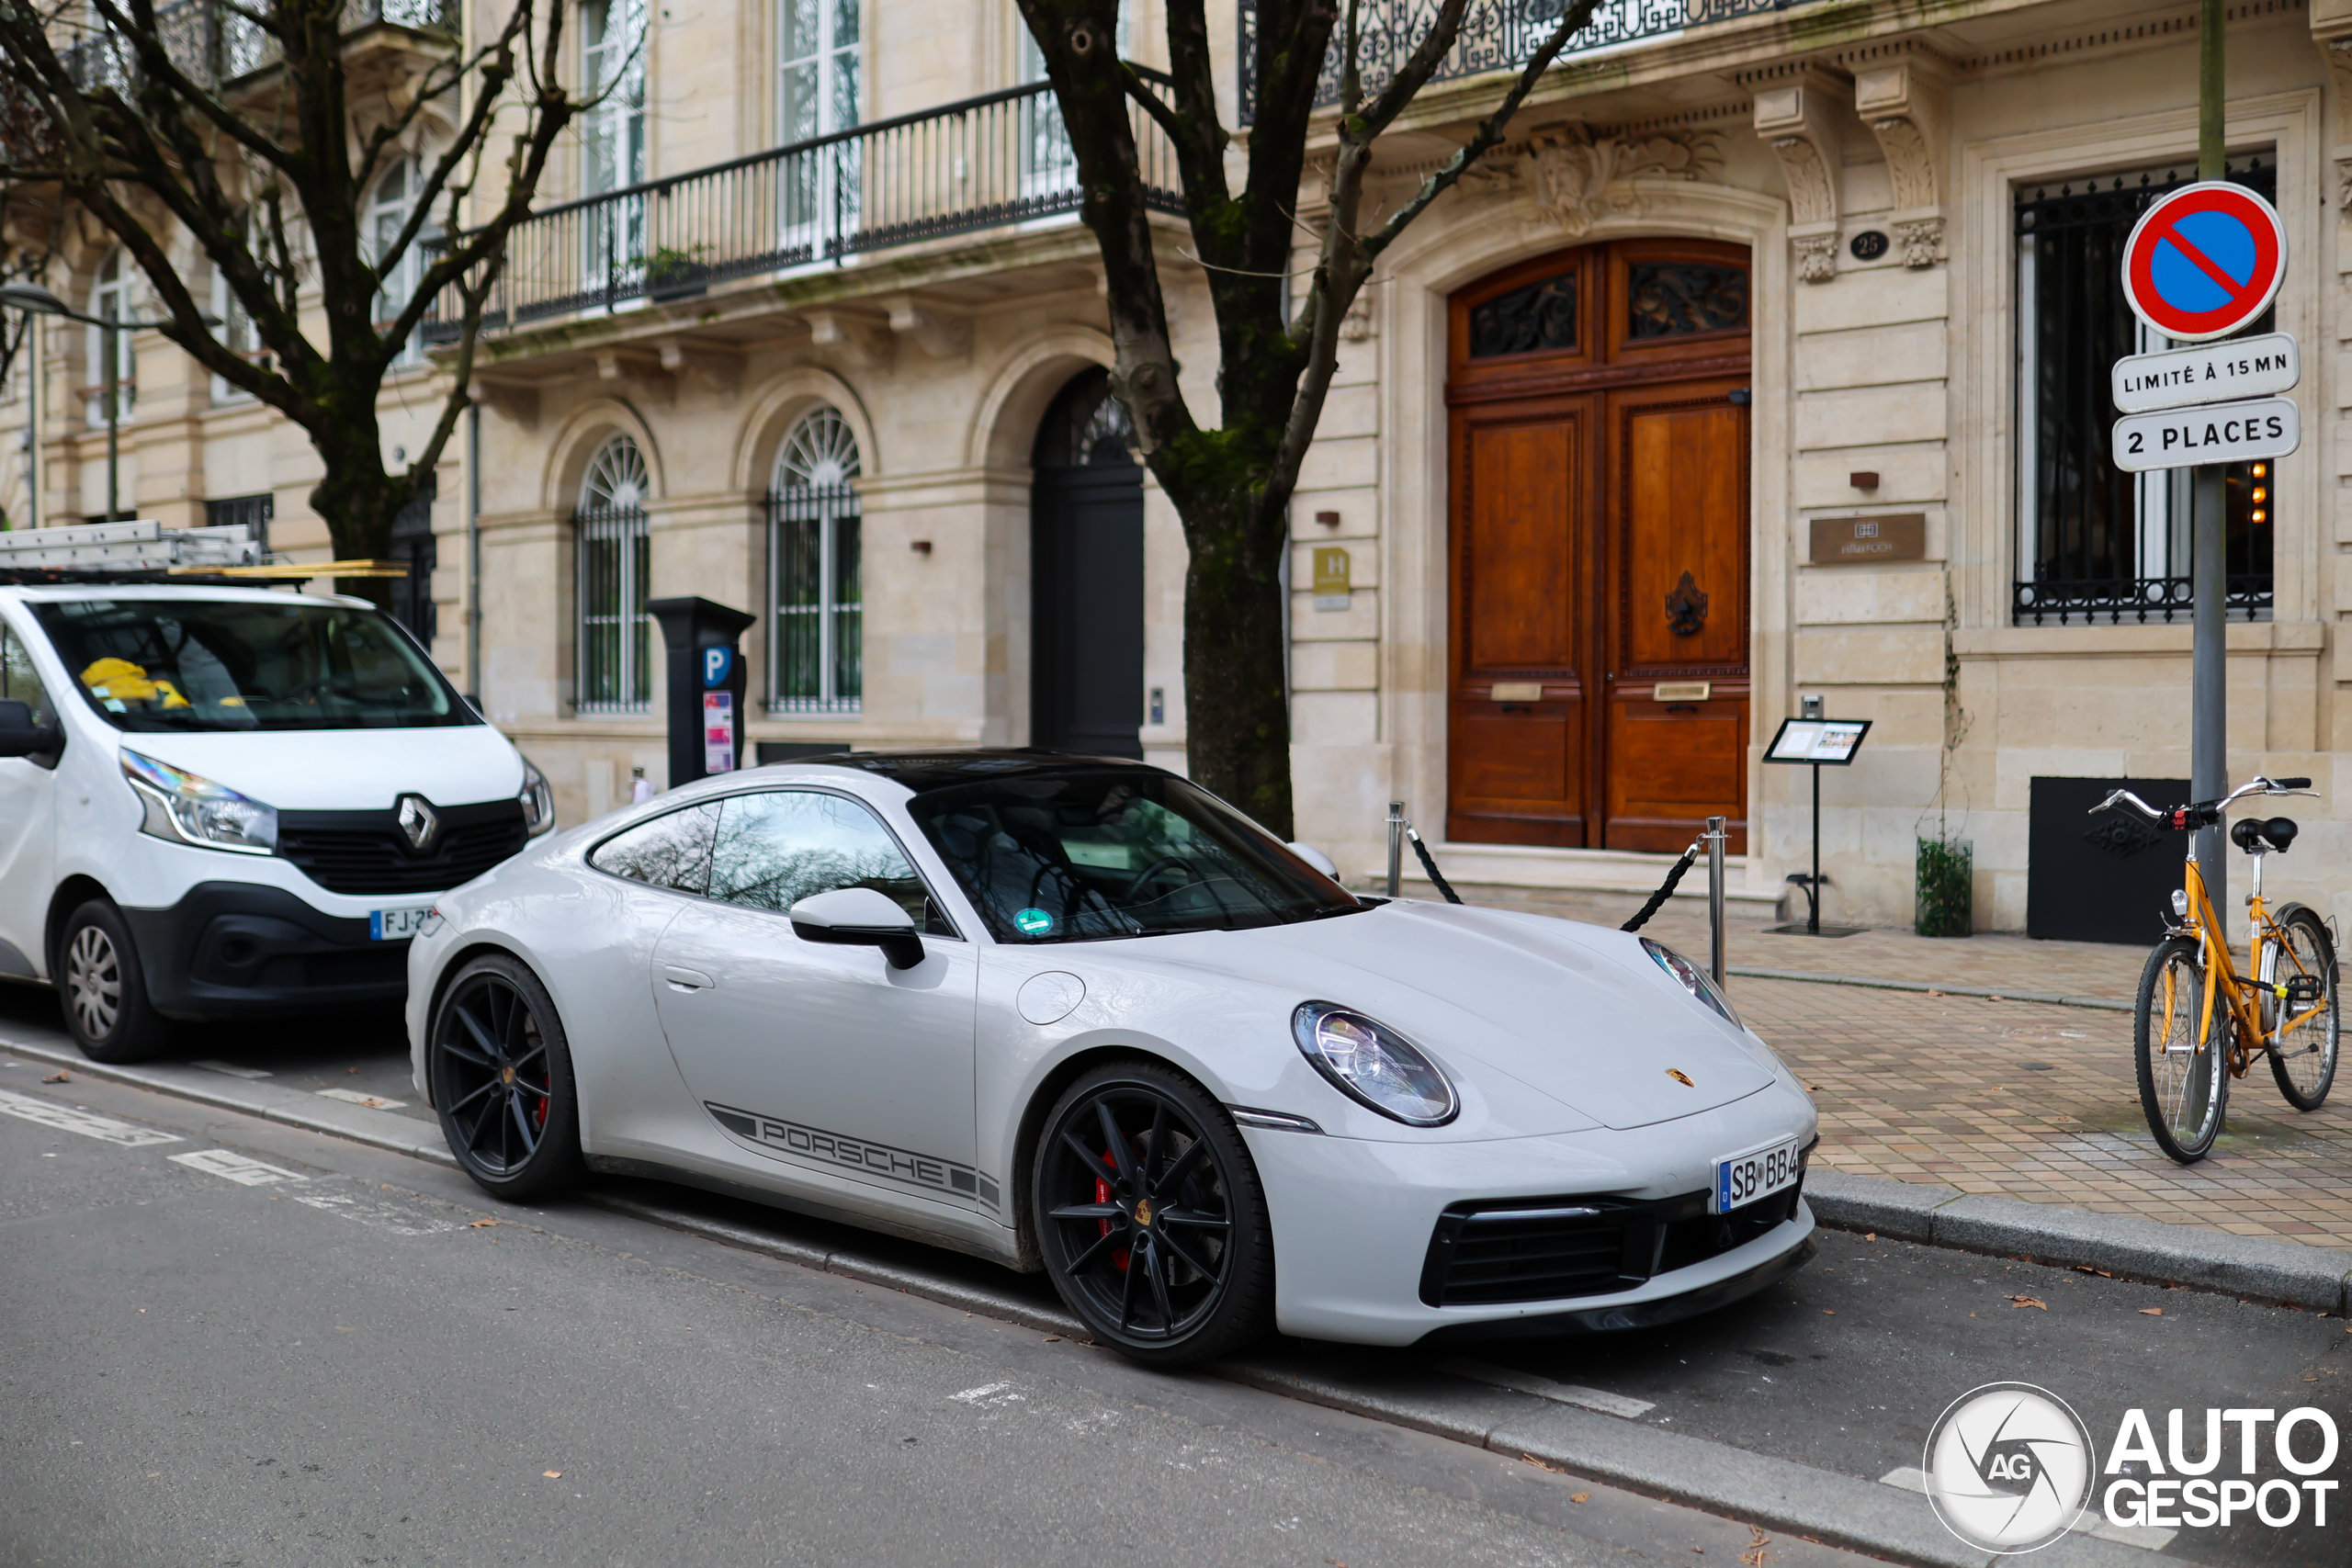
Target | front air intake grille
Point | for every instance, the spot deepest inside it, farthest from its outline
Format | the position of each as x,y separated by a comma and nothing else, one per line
366,851
1548,1249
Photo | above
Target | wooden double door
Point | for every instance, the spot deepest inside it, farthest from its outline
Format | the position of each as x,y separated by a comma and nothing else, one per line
1598,407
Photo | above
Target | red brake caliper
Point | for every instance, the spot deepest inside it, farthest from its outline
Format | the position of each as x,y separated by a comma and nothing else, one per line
1102,1195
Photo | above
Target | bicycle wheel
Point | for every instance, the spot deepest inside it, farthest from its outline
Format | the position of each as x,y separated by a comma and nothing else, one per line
2184,1081
2304,1057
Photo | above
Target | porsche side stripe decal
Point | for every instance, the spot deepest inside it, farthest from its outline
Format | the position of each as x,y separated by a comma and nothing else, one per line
874,1159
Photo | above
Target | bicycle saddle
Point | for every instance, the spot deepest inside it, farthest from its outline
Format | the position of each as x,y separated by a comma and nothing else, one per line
2255,836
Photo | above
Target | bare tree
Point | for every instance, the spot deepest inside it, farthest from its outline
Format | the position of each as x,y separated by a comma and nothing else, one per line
240,124
1231,482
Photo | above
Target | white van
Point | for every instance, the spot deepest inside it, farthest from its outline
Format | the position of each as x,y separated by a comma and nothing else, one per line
221,802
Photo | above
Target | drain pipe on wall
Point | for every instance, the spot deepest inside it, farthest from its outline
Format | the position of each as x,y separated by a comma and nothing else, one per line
473,558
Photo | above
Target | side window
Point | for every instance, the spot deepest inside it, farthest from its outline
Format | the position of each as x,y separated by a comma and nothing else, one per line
781,846
18,681
672,851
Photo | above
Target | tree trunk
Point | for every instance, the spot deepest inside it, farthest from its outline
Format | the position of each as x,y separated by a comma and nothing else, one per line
1236,704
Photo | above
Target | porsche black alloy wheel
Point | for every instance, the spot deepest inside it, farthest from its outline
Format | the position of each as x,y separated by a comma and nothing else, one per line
501,1080
1150,1216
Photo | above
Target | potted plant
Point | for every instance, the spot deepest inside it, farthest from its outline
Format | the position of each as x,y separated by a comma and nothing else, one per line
675,275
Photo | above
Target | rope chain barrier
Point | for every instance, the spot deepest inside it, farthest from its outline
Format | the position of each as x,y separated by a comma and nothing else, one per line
1666,888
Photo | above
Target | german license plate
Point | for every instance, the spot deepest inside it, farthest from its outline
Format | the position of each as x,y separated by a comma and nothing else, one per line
1743,1179
395,925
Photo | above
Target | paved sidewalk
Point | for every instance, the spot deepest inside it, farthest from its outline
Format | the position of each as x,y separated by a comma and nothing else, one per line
2018,1099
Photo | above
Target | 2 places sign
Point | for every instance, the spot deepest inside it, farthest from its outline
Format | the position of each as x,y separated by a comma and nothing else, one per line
2202,263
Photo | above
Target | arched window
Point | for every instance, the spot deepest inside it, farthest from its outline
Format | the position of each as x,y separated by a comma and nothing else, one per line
816,603
390,206
111,299
614,635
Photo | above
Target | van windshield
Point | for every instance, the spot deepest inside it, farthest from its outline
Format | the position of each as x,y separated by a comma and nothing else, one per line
211,664
1109,853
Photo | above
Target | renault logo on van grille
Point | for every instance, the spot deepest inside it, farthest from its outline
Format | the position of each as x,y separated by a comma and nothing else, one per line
419,823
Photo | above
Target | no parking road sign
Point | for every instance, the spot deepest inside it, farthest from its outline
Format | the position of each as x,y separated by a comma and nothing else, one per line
2204,261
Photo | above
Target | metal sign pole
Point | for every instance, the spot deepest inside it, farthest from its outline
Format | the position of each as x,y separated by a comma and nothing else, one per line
1396,848
2208,536
1715,836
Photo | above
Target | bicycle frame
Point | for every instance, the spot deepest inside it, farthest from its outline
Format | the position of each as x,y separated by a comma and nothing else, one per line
2222,979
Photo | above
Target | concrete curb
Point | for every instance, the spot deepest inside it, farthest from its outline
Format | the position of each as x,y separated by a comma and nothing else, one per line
272,1103
852,1265
1873,982
2316,1278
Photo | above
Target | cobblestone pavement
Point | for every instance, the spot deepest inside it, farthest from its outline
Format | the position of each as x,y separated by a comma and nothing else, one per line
2018,1099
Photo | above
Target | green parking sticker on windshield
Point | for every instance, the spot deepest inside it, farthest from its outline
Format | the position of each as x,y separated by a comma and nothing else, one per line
1032,922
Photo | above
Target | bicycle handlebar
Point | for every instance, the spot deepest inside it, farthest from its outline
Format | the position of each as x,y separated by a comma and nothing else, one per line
2203,813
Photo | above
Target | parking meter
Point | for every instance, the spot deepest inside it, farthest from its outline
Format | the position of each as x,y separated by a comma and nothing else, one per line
706,682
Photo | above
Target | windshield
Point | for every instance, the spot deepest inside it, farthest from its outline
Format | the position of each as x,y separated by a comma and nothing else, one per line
1114,853
212,664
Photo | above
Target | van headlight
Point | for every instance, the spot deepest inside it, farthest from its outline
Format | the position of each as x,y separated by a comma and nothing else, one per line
538,798
1371,1064
1694,979
188,808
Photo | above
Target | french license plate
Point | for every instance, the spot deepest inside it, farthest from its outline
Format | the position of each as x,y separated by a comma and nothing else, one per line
1743,1179
395,925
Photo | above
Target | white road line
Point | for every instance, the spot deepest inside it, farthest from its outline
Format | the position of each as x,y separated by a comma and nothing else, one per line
989,1394
1544,1388
376,1216
69,1118
372,1101
231,1068
234,1167
1911,1478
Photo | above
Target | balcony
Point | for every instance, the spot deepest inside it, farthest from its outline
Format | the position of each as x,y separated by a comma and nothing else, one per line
1497,35
994,161
216,43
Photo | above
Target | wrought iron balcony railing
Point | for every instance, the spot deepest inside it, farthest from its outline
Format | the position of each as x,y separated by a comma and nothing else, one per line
1496,34
2132,601
214,43
1000,159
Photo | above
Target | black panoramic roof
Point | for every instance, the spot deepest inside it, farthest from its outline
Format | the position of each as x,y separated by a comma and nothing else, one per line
920,770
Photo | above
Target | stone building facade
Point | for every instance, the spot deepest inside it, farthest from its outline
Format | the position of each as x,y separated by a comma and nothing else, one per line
810,328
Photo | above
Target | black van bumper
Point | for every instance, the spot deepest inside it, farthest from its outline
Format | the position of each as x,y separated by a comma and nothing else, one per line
236,950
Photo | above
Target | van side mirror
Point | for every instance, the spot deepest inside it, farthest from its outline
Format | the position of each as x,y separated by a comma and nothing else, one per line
20,737
859,917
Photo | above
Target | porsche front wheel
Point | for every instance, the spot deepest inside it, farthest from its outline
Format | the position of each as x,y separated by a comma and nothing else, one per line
501,1080
1150,1216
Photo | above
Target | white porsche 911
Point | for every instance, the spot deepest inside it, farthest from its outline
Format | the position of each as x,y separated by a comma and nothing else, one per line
1078,1014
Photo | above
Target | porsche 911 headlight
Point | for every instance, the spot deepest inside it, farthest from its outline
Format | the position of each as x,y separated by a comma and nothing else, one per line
1371,1063
1692,978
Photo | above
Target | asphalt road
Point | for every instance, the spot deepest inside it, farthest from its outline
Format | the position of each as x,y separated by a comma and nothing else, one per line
714,1396
342,1362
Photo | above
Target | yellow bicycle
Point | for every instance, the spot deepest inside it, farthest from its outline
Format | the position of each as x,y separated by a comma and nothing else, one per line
2198,1024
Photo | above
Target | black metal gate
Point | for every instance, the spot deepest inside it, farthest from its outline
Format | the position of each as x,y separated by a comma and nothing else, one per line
1086,646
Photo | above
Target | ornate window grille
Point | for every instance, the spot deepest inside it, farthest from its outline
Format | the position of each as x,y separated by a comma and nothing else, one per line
816,599
256,512
2097,544
614,635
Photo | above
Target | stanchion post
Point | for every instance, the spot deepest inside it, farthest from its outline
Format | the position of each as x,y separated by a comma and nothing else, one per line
1715,898
1395,849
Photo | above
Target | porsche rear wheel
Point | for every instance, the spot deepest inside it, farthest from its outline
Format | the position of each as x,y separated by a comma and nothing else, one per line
1151,1218
501,1073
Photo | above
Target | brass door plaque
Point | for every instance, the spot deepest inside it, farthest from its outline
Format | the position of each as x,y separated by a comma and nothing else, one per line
1854,541
1519,691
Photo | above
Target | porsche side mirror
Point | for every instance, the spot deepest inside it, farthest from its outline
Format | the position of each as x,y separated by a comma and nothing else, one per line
20,737
859,917
1317,859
